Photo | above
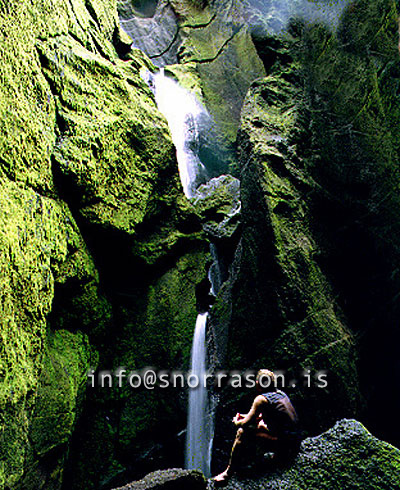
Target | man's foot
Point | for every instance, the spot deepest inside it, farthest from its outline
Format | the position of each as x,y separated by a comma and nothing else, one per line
222,479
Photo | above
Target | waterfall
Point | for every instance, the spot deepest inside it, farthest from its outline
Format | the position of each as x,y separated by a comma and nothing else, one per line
214,274
184,114
200,424
187,120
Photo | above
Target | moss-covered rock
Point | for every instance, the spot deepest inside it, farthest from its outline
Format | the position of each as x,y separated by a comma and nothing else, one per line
226,60
174,479
28,132
318,149
41,247
104,111
218,205
59,400
284,314
81,142
351,146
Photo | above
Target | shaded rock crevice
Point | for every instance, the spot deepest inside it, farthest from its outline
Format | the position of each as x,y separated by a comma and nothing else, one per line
217,55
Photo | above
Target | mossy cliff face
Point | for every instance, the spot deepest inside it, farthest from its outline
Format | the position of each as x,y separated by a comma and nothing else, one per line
283,314
91,205
315,277
353,114
41,249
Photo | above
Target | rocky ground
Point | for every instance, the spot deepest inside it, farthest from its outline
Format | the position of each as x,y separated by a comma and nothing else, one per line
346,457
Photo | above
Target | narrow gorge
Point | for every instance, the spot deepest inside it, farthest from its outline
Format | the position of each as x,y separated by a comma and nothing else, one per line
197,186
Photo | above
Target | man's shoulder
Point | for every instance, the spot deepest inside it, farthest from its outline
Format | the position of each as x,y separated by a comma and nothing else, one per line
260,399
276,395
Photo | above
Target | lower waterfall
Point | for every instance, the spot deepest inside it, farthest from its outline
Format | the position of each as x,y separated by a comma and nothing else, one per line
200,423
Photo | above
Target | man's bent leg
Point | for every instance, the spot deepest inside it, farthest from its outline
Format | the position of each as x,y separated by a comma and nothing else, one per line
235,454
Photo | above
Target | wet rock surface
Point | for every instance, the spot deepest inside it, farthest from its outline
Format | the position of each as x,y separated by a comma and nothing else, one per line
174,479
345,457
156,33
218,205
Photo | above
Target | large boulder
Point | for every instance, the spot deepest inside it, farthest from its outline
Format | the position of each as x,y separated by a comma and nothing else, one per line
218,204
174,479
346,457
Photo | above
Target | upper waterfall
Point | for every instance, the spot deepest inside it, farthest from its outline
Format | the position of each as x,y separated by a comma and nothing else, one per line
184,114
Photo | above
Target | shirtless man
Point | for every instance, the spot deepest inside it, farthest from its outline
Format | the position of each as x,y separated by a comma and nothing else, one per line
271,418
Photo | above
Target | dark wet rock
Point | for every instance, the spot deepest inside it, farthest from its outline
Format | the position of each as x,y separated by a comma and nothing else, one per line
174,479
218,205
346,457
156,33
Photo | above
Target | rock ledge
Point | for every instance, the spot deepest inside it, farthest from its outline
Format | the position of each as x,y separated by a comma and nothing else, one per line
345,457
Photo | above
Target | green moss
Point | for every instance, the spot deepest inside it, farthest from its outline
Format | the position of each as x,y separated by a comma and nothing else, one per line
347,455
188,78
281,296
83,130
109,149
62,384
165,318
28,133
192,12
227,77
58,401
40,246
42,251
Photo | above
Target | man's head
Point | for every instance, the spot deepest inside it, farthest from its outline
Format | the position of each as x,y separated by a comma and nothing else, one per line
265,380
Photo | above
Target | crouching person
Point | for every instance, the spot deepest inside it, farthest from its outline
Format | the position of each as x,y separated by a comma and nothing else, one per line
271,419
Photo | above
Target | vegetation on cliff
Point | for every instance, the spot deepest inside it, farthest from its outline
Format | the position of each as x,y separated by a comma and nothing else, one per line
88,185
104,262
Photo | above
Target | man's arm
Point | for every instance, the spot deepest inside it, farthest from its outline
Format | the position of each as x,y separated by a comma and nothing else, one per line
253,414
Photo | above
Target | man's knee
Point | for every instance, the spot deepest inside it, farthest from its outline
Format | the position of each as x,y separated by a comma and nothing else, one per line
239,434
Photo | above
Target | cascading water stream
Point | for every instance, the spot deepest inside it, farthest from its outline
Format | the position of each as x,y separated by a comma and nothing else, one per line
199,428
184,115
